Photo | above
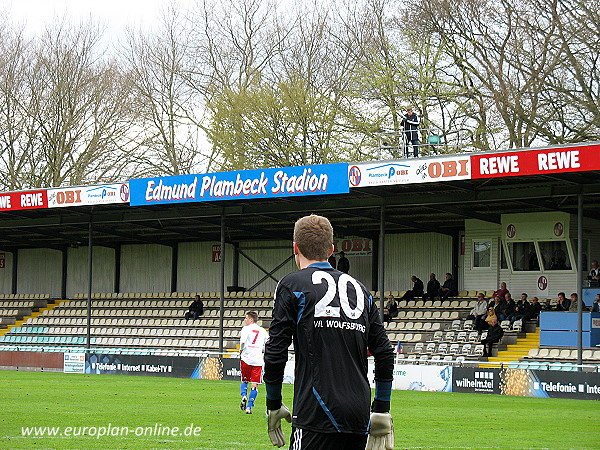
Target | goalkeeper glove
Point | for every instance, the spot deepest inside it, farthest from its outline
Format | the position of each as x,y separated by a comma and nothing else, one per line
274,424
381,432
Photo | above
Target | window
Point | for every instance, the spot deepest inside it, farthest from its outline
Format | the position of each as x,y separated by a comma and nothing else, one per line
523,256
482,252
586,252
555,255
503,262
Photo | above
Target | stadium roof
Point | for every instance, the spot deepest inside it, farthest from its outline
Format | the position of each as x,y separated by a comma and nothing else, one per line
439,207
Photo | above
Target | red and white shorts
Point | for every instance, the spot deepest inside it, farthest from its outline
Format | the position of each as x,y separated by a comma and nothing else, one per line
252,374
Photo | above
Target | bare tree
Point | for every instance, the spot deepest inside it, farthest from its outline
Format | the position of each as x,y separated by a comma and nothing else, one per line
66,119
526,67
16,146
169,111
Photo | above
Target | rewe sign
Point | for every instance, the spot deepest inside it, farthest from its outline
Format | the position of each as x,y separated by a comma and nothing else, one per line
536,162
13,201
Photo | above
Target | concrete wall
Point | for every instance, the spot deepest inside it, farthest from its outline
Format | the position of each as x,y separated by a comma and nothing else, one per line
416,254
103,270
6,273
39,271
145,268
196,270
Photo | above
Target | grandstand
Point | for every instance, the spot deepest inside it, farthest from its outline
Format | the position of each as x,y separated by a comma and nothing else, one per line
152,324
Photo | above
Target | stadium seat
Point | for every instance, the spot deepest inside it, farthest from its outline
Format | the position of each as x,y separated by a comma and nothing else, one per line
543,353
554,353
442,349
466,349
517,325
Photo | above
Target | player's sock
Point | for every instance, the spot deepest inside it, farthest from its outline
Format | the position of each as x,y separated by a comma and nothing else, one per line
243,389
253,394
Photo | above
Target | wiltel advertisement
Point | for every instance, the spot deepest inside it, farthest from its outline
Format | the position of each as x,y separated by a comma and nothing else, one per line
476,380
241,185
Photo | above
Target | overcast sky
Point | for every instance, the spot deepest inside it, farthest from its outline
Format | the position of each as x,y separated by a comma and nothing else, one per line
115,15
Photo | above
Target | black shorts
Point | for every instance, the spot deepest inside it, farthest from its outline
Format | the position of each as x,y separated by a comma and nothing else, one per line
311,440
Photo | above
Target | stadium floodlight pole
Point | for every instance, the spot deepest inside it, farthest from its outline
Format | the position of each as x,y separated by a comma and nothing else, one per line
579,273
381,275
89,291
222,305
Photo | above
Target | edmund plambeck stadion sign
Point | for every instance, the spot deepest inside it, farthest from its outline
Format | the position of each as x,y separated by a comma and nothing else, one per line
241,185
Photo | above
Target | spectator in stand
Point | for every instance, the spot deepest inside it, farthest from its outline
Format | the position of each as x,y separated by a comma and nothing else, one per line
332,261
521,309
196,309
343,264
391,309
411,131
511,307
562,304
499,306
594,275
433,288
495,333
477,314
502,291
491,315
449,288
416,291
596,304
573,306
533,311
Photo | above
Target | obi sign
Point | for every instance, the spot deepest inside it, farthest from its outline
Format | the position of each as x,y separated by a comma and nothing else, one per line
88,195
424,170
241,185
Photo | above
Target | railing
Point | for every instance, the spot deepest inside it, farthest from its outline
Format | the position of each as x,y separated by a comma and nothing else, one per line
432,141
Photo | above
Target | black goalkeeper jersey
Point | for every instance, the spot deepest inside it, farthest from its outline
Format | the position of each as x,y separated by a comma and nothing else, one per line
332,320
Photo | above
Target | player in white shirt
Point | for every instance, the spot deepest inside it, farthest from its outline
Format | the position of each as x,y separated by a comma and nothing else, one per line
252,346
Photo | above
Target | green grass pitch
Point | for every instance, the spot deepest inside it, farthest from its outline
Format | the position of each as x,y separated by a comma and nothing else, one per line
210,409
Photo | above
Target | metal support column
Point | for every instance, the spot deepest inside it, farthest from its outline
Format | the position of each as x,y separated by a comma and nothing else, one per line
381,276
63,278
15,261
578,271
117,286
89,291
222,303
174,257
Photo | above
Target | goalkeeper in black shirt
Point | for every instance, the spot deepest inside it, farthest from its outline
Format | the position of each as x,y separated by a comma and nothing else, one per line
333,321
